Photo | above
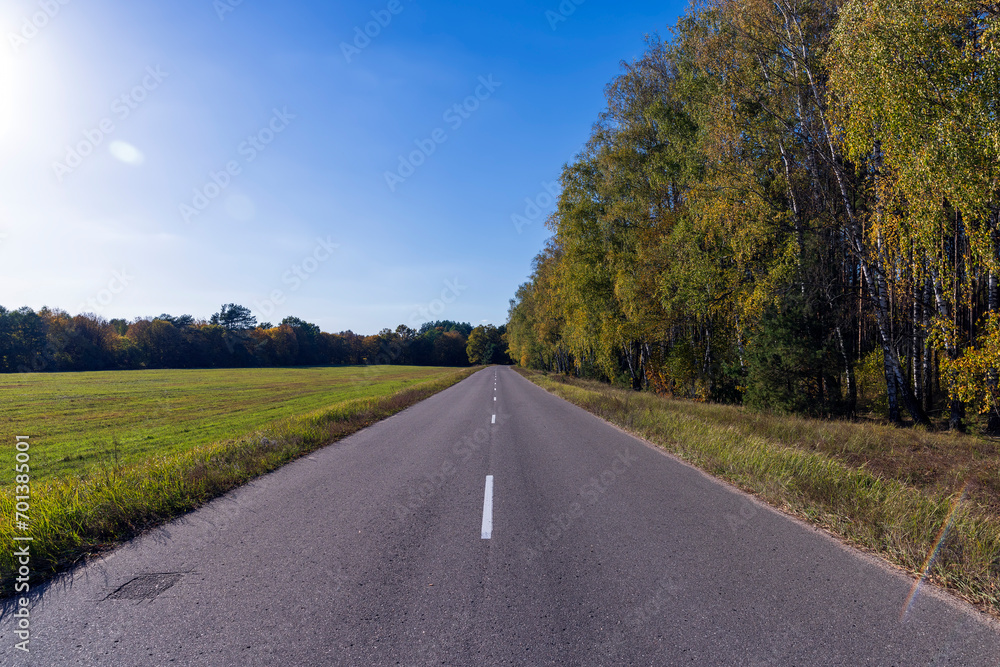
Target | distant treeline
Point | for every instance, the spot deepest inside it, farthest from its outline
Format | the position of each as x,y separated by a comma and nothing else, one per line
53,340
790,204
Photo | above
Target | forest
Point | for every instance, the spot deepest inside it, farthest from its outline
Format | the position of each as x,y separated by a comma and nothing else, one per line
52,340
790,205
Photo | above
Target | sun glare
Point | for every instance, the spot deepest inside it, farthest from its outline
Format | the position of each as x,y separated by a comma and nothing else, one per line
127,153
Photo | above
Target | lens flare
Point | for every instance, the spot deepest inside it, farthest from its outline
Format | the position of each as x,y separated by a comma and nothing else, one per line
126,153
932,556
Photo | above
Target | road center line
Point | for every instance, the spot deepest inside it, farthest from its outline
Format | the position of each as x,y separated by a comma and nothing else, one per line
488,508
494,420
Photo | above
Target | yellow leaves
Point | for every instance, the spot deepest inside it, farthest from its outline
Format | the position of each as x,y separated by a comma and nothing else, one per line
916,94
974,373
764,291
906,75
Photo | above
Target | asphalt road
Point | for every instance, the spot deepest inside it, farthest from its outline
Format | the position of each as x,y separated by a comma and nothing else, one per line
601,551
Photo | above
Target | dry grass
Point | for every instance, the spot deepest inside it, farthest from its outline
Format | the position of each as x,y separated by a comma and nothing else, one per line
888,490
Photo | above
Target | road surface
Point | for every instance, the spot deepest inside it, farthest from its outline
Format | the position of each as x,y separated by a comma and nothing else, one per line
590,548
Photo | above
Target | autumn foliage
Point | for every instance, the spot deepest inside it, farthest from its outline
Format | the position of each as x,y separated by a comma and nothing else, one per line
792,203
53,340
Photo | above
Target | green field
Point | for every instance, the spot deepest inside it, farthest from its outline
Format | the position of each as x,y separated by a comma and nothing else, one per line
78,421
115,453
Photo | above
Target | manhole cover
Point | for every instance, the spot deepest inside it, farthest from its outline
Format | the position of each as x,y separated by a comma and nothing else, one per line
145,587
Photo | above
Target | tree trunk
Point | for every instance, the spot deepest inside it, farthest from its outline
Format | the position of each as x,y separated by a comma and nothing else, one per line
632,362
926,366
896,386
874,279
707,369
918,390
993,425
852,387
739,345
956,409
890,384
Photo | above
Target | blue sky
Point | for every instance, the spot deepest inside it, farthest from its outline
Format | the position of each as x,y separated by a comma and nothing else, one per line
174,156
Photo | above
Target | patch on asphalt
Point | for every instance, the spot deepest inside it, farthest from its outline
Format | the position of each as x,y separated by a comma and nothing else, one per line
145,586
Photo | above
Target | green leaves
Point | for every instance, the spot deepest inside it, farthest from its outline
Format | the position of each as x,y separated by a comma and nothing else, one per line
844,153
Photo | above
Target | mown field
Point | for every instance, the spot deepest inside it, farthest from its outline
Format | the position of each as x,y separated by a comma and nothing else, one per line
79,421
115,453
927,501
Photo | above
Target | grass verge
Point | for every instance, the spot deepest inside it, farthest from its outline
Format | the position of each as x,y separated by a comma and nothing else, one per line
78,516
855,480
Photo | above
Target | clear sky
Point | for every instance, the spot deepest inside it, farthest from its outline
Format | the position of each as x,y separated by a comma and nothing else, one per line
169,157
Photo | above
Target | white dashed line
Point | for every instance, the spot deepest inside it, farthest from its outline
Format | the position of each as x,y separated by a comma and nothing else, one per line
488,508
